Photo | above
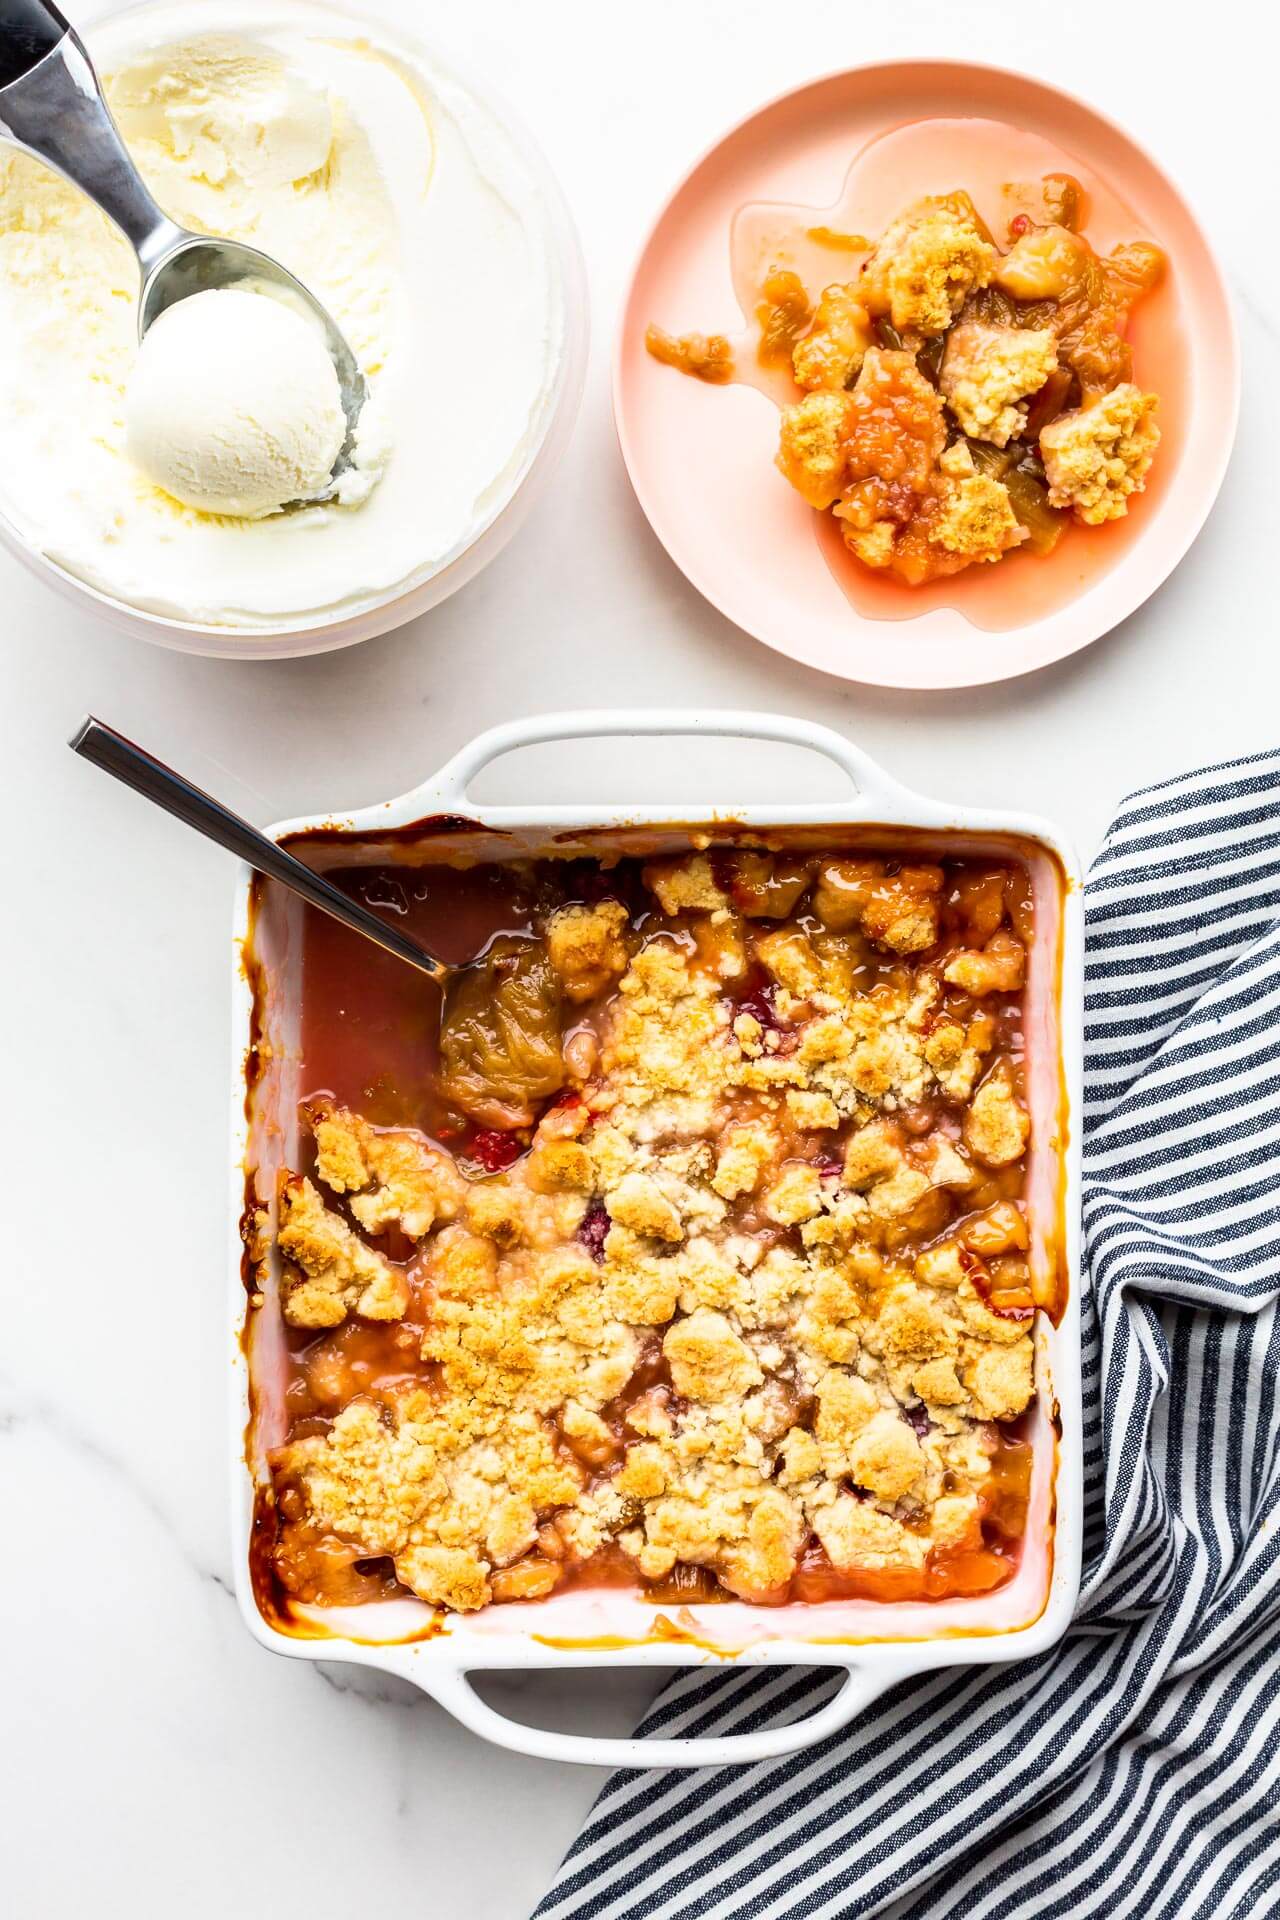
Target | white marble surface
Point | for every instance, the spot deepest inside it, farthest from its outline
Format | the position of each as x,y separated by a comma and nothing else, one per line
156,1760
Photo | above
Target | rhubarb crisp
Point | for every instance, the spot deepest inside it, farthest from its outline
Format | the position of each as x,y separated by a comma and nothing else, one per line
691,1254
961,396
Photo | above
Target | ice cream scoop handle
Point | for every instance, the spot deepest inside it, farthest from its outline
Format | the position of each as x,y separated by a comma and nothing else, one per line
28,30
51,104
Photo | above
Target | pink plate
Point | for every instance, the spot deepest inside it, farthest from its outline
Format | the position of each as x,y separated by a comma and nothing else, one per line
701,457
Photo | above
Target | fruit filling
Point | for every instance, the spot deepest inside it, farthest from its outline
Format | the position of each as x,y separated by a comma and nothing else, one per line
962,397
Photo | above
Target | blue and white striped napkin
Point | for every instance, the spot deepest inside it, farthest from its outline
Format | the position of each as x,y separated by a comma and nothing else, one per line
1134,1771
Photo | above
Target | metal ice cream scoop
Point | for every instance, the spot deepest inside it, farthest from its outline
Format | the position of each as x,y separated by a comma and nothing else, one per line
51,104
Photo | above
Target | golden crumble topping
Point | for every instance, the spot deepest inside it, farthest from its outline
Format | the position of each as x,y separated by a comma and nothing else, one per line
332,1272
1097,456
685,880
996,1125
745,1310
447,1490
987,370
587,948
544,1330
813,447
975,519
927,262
392,1178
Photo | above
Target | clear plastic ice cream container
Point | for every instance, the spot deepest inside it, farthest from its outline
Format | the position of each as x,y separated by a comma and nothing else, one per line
425,219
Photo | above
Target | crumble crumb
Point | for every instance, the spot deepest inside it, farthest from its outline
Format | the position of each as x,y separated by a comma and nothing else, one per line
1097,457
813,1112
744,1153
587,949
560,1166
873,544
872,1154
976,519
684,882
884,1457
334,1272
494,1210
708,1360
813,445
790,958
393,1177
937,1385
862,1539
638,1202
795,1196
1000,1380
997,1125
955,1053
927,263
986,371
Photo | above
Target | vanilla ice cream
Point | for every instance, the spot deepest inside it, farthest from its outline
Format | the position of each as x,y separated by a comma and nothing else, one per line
401,201
233,405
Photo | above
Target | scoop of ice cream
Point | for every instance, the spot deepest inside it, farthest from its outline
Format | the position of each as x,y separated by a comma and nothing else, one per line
234,405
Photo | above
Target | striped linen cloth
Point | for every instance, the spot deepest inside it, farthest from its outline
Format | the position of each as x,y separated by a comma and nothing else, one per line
1135,1769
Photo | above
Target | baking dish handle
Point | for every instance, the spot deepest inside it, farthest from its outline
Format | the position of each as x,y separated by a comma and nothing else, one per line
451,786
455,1693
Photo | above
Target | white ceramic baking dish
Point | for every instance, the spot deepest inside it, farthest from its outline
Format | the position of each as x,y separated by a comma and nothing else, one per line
877,1643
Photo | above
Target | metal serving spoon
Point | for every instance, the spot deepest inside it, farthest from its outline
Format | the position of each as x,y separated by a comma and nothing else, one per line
52,106
116,755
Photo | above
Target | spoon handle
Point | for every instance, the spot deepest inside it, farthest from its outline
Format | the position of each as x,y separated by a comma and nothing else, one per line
28,30
150,777
51,104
